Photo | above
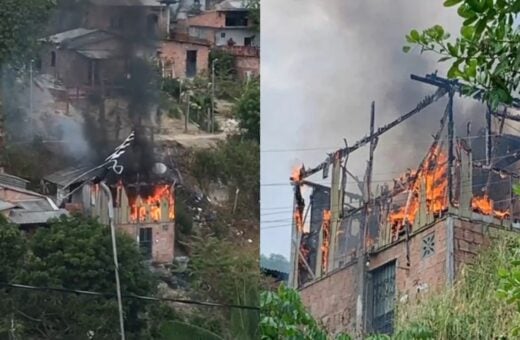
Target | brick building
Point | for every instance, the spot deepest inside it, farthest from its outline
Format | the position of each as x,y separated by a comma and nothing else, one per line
354,265
183,56
144,211
227,25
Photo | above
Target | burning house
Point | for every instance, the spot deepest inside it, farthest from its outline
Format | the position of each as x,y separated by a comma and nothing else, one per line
142,197
353,262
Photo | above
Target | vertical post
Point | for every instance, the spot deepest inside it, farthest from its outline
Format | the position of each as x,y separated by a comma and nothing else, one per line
31,88
295,247
187,114
213,95
362,249
451,155
488,136
107,191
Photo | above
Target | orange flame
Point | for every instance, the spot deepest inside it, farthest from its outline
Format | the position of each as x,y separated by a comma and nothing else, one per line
434,176
298,219
484,205
152,206
326,240
296,175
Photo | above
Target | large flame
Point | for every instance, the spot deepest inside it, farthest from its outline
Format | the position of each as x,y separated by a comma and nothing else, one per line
485,205
152,206
326,240
433,176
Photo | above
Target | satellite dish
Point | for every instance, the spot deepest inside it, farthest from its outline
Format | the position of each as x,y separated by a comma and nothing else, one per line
159,168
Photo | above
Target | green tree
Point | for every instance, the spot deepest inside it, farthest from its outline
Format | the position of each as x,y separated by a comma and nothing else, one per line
76,253
247,110
213,263
283,316
276,262
21,23
254,13
236,163
486,55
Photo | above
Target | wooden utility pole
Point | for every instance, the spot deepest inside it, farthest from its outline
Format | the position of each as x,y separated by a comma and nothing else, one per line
363,233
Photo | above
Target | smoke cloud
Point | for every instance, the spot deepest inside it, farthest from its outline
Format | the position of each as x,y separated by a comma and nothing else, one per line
330,59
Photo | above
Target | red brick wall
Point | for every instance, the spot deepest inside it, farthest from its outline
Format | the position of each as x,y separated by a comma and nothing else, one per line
469,238
174,53
209,19
163,240
423,272
332,300
248,64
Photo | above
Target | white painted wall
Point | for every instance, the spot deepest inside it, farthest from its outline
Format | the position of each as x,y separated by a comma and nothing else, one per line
238,35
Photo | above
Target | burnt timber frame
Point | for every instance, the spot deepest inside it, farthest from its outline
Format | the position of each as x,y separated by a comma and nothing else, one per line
444,86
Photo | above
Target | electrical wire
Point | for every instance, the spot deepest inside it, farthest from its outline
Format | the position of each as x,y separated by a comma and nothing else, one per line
129,296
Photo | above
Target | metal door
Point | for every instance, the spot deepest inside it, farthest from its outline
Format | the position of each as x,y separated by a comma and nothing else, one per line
383,298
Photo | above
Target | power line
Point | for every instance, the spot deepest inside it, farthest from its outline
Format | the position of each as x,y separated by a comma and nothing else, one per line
130,296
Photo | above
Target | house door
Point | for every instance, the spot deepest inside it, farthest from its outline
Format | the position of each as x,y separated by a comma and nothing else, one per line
383,299
191,64
145,241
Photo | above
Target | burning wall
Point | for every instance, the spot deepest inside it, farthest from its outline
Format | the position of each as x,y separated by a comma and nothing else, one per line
417,199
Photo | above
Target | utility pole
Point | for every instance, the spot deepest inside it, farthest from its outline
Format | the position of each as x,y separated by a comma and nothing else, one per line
31,88
107,191
187,115
213,95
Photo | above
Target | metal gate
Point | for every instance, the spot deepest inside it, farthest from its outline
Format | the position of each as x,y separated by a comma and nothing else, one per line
383,298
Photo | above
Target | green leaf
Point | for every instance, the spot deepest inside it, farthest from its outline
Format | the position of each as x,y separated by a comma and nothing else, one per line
450,3
415,36
465,12
480,26
452,49
467,32
406,49
443,59
470,20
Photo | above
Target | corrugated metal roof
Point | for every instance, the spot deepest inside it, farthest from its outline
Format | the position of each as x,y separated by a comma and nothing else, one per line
35,205
98,54
6,205
34,217
152,3
65,176
69,35
231,5
13,180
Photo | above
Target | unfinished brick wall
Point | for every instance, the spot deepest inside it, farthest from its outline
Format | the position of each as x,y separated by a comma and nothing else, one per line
163,237
332,300
423,274
173,55
210,19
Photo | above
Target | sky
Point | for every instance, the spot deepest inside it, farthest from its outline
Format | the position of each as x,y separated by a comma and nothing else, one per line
323,62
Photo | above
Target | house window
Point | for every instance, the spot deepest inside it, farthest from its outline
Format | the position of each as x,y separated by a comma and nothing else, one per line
116,22
383,299
428,245
223,34
248,41
234,19
145,241
53,59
